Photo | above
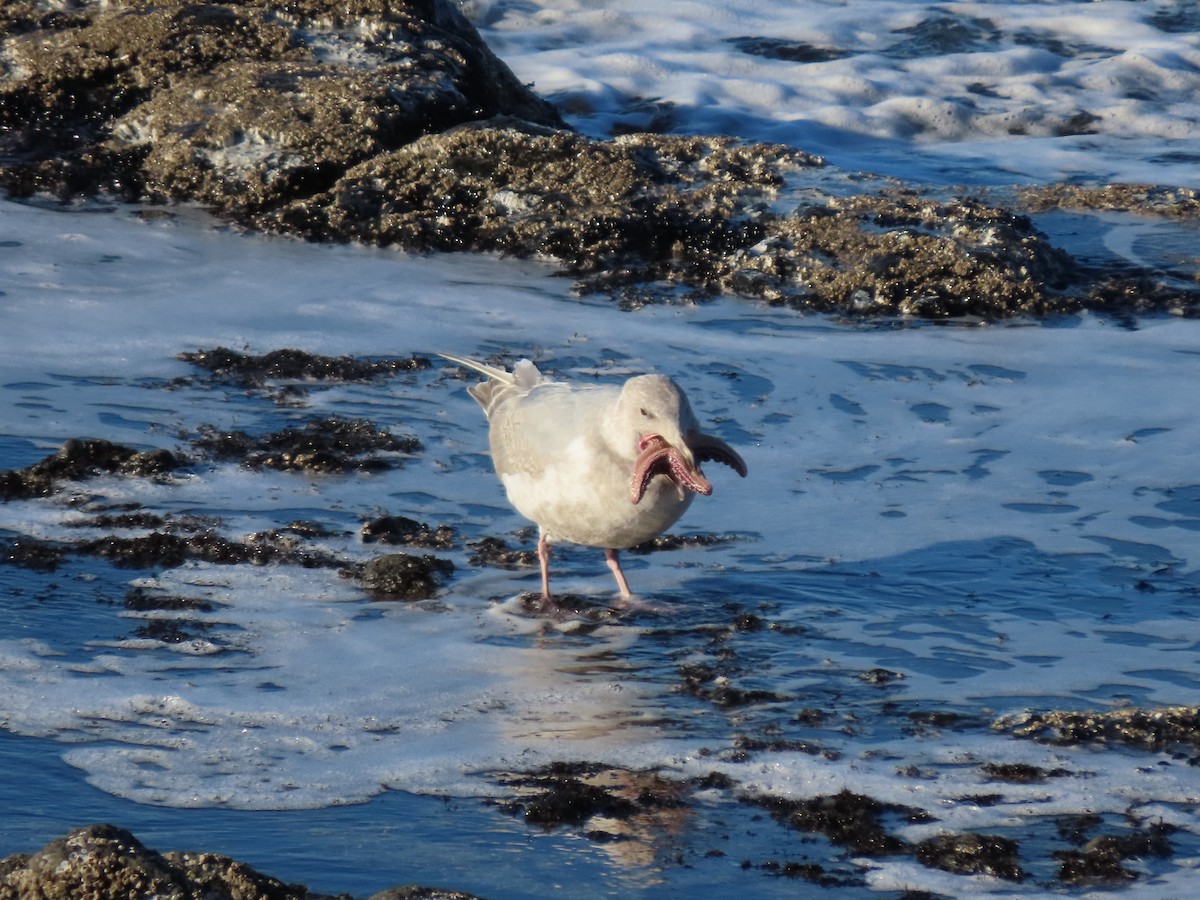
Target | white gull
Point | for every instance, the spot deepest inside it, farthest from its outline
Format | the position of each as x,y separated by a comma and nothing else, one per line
600,465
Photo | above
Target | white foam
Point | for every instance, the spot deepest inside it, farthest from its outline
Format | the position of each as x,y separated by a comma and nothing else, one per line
1013,82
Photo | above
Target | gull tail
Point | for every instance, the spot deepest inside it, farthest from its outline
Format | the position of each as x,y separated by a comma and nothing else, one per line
501,384
497,374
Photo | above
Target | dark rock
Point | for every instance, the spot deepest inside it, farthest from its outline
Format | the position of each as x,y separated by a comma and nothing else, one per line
417,892
168,631
141,600
631,209
83,458
811,717
569,801
1101,858
1020,773
585,613
748,622
681,541
972,854
811,872
1075,828
1143,199
880,676
129,521
159,549
330,445
239,104
289,364
711,684
851,820
109,863
404,577
1144,729
163,550
790,51
32,553
407,532
746,743
567,793
940,719
492,551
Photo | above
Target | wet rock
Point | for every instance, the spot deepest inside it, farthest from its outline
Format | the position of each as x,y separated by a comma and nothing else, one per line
169,631
1143,199
79,459
494,552
565,800
932,722
746,744
1144,729
790,51
127,521
940,34
408,532
1101,858
141,600
573,613
714,781
1075,828
250,370
628,210
682,541
418,892
1020,773
161,550
850,820
239,104
108,863
812,717
811,872
404,577
903,253
711,683
972,854
880,676
1124,295
748,622
33,554
568,793
165,550
331,445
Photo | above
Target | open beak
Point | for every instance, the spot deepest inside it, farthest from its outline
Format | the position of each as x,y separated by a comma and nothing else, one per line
658,456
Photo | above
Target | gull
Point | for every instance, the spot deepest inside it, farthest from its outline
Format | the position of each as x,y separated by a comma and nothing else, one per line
607,466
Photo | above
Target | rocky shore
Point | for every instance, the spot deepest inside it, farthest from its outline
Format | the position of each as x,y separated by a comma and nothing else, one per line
394,124
103,861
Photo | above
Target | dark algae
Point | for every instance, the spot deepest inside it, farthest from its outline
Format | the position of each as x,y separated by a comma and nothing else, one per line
82,458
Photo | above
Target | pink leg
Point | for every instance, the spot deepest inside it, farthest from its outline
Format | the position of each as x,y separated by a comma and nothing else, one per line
543,552
614,564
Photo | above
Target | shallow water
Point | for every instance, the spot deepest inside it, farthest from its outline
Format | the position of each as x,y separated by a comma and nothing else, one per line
941,527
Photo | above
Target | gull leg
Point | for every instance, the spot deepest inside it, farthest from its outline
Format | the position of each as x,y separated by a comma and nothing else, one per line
543,552
614,564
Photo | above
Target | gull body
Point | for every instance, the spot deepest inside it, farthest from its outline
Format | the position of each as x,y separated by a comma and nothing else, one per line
608,466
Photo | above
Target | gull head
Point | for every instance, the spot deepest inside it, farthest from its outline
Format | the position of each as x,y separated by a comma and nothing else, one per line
654,412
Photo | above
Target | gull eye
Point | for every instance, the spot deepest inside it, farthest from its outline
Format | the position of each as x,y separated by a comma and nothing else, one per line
646,413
